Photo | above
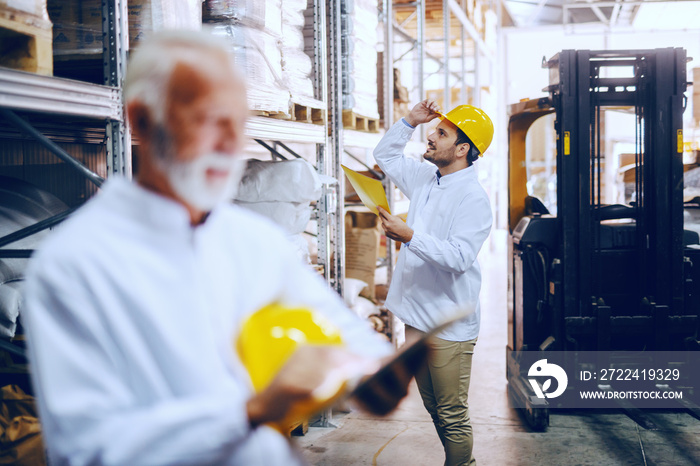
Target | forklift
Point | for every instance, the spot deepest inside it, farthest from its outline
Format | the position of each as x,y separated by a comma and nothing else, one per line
601,276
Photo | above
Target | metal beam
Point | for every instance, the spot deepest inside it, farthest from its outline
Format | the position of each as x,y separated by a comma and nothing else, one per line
408,18
379,176
536,12
597,11
32,92
468,26
403,33
35,228
271,149
21,124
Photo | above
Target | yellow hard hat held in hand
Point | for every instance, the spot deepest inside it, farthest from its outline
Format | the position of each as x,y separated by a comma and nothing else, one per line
267,340
475,123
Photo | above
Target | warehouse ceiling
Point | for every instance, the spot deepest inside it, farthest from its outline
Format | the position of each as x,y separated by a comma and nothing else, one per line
638,14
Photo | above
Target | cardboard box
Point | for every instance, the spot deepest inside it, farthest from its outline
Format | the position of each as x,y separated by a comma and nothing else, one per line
362,248
77,27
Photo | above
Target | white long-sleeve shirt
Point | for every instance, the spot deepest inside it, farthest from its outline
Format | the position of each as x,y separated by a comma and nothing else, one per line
131,315
437,273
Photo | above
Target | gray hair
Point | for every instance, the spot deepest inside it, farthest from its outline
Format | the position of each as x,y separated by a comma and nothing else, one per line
152,63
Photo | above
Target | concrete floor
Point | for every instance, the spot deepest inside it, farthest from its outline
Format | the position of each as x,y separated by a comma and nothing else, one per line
407,436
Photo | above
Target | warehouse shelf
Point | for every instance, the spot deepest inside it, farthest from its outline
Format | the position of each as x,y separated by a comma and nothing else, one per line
20,90
361,139
283,130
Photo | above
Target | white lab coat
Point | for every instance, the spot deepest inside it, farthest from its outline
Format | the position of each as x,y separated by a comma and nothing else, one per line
437,273
131,316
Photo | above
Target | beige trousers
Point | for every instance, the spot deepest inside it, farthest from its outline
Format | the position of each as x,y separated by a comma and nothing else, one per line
443,383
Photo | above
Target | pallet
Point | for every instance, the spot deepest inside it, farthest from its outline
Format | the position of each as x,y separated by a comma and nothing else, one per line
271,114
297,112
308,114
25,42
352,120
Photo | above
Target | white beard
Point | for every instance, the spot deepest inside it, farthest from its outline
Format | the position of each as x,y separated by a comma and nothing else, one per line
189,180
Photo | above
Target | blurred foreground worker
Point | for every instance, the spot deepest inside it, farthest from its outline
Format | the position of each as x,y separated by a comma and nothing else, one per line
437,272
134,304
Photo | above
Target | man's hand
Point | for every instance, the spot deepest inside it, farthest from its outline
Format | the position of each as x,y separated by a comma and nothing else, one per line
311,375
423,112
394,227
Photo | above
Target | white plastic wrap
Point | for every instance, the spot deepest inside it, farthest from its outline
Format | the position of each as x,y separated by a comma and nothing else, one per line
148,16
288,181
77,24
256,54
351,292
249,11
11,297
364,308
33,7
268,45
77,27
359,46
296,63
302,247
291,216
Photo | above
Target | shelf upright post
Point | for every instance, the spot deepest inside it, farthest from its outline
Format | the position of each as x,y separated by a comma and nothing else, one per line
116,43
478,50
322,150
327,87
446,43
463,65
335,121
388,79
420,40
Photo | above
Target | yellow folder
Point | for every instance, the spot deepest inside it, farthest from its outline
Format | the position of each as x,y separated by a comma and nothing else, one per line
371,191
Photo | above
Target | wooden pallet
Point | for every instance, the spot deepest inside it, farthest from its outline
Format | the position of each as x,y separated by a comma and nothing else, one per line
308,114
25,42
352,120
297,112
271,114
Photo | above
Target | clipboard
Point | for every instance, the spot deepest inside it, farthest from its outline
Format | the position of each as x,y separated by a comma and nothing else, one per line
371,191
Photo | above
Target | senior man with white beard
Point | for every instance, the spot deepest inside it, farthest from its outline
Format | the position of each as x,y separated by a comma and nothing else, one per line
132,305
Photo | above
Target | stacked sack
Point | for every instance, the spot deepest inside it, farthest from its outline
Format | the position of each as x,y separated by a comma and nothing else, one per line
297,65
359,55
147,16
253,29
268,46
282,192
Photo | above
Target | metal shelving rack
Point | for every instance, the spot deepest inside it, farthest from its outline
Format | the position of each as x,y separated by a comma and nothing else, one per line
51,96
27,92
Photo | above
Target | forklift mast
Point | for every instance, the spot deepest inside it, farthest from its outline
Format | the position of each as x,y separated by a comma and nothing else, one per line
651,271
599,276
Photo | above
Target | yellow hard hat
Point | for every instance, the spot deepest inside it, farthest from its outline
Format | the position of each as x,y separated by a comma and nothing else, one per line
475,123
269,337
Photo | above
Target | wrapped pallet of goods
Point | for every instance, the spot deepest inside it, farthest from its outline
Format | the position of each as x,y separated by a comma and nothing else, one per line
78,37
267,43
25,36
147,16
359,62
